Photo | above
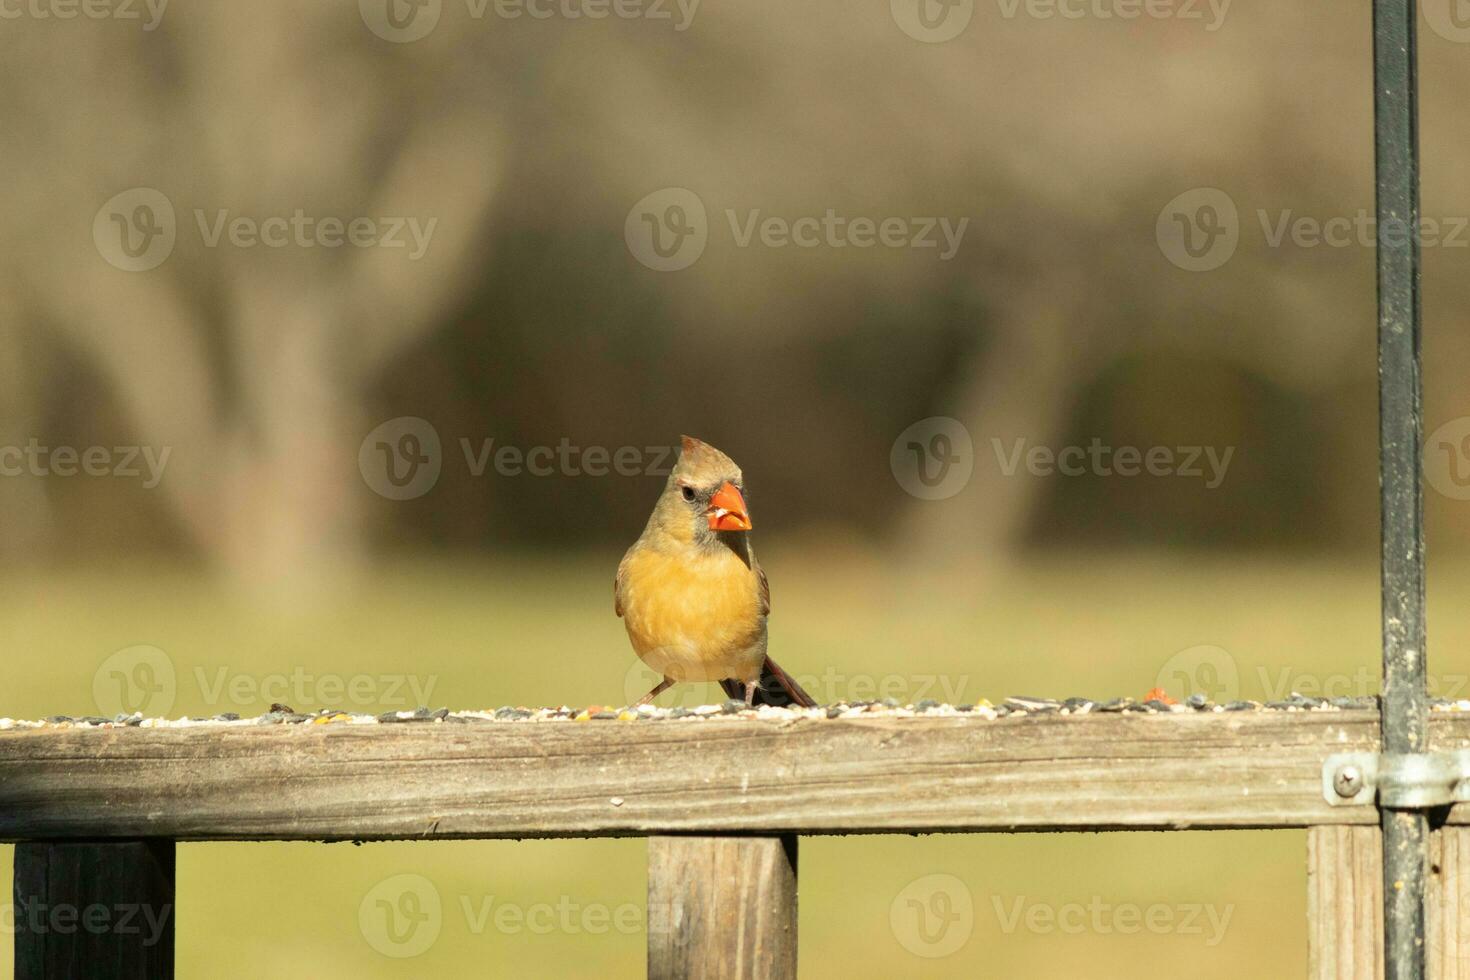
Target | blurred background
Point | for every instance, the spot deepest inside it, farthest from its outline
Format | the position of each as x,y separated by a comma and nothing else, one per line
343,347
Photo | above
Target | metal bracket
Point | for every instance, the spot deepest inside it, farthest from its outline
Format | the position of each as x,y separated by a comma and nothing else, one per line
1397,781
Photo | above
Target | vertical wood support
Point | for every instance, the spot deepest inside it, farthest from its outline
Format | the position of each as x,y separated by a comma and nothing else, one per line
1345,903
722,907
92,909
1447,905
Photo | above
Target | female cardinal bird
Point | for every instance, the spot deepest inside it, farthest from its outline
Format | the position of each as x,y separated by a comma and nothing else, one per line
690,591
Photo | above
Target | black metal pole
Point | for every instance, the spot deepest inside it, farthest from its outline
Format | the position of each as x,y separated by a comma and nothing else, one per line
1400,398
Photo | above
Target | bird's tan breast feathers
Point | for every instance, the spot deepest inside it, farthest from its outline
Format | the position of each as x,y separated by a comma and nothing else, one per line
696,617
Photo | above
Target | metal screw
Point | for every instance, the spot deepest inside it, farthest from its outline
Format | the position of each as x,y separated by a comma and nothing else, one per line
1347,782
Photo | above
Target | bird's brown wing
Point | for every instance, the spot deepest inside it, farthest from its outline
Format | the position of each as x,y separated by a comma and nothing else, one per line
776,686
618,588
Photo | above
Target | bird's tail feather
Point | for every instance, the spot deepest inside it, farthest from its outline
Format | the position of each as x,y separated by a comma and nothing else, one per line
775,688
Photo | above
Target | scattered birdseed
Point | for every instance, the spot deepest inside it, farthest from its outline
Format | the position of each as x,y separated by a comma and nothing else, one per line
713,713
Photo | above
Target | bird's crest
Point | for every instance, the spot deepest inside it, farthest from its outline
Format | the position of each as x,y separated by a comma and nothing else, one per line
702,463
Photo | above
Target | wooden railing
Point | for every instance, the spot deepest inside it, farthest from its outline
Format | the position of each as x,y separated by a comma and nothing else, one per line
723,800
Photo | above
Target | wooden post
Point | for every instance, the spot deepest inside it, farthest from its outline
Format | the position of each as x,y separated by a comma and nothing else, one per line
91,909
1447,905
722,907
1345,903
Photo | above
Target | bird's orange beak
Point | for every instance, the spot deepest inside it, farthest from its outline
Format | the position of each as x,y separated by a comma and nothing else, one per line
727,510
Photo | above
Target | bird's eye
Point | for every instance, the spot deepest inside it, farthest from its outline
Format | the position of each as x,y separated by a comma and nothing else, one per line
688,493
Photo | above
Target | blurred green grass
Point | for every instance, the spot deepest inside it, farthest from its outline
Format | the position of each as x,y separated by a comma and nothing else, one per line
535,631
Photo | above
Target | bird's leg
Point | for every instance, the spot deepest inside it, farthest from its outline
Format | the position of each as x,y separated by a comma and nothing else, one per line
750,693
660,688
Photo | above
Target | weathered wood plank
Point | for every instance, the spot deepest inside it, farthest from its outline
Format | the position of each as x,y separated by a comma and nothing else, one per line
88,909
1447,901
876,774
722,908
1345,903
